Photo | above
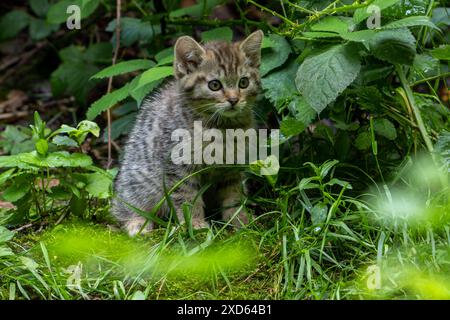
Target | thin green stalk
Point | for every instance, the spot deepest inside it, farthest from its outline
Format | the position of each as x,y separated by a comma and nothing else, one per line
415,109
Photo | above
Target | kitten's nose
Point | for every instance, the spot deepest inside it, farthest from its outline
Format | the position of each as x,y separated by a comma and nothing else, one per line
233,100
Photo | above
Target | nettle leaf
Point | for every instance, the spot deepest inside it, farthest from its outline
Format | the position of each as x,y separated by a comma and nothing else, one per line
275,56
321,78
363,13
334,24
411,22
12,23
280,94
133,30
385,128
301,110
394,46
223,33
32,160
358,36
441,53
291,127
57,13
107,101
124,67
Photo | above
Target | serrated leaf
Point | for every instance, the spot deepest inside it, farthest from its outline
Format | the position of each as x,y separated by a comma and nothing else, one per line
223,33
98,185
320,34
280,94
19,188
385,128
358,36
32,160
394,46
334,24
301,110
291,127
410,22
124,67
152,75
274,56
321,78
64,141
107,101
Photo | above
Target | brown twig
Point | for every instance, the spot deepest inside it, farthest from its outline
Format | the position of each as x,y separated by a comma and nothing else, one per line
114,59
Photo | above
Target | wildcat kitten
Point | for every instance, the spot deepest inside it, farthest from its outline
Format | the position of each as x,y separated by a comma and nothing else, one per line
216,83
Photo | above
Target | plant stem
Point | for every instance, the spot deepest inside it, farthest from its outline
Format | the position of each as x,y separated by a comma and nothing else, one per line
415,109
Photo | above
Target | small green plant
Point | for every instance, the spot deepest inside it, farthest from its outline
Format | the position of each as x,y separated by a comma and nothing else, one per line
41,181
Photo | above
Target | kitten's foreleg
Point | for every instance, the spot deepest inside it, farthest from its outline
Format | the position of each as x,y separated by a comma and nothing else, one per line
188,193
231,196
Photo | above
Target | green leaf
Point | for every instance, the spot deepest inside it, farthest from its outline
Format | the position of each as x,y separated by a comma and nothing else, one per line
152,75
20,187
5,235
319,213
98,185
394,46
320,34
57,13
133,30
358,36
42,146
441,53
12,23
124,67
326,167
4,176
410,22
274,56
39,29
385,128
363,140
301,110
321,78
223,33
64,141
87,126
196,10
33,160
362,13
280,94
39,7
334,24
291,127
107,101
121,126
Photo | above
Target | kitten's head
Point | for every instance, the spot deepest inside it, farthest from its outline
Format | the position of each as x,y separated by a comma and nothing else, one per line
219,79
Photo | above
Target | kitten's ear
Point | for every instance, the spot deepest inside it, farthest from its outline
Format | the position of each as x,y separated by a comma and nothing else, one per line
188,55
251,47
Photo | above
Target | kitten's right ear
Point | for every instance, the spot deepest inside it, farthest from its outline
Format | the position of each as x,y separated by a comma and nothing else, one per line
188,55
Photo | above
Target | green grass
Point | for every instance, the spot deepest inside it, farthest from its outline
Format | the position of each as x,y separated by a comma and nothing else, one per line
350,250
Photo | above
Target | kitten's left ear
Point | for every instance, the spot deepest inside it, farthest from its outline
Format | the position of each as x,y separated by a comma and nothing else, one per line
251,47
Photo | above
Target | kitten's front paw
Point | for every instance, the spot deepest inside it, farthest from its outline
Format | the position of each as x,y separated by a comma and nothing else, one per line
135,225
243,217
199,224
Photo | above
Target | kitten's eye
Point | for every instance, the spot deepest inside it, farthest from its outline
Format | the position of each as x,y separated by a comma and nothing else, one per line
214,85
244,82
